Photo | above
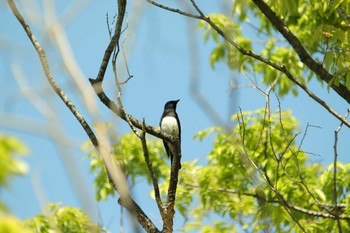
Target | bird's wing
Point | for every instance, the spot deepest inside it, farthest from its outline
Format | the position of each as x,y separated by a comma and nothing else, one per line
168,151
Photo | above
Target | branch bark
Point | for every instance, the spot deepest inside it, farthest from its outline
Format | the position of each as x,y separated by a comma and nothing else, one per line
151,171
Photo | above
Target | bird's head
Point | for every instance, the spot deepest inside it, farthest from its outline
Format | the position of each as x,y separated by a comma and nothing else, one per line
171,104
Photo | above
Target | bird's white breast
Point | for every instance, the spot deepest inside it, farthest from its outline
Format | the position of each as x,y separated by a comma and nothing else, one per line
169,126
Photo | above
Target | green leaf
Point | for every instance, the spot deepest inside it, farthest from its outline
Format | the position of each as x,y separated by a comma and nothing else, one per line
328,59
320,194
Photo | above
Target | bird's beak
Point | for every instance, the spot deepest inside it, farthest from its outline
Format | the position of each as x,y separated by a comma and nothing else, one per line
177,100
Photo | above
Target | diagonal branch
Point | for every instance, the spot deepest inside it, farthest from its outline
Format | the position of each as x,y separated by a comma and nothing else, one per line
141,217
342,90
304,56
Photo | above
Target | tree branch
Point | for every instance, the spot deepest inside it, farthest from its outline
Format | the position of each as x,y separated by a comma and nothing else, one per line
335,146
304,56
113,43
141,217
151,170
174,174
273,201
342,89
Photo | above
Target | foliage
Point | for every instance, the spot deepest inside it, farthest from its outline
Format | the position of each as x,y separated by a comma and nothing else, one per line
248,168
321,26
10,224
232,186
62,219
9,166
10,148
57,218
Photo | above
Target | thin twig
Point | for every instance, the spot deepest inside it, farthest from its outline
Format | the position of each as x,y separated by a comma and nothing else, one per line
336,132
335,178
174,10
127,69
264,175
304,135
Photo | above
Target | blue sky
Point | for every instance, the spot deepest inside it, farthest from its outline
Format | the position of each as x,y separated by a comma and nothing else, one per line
158,50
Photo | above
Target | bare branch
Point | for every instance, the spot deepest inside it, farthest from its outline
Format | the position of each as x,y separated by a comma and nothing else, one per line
62,144
112,44
174,10
142,218
336,132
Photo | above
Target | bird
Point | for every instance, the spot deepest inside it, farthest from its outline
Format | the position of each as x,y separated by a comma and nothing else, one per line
170,124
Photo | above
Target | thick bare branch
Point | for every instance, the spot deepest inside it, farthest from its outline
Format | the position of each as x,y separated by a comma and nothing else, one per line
113,43
141,217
